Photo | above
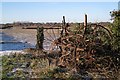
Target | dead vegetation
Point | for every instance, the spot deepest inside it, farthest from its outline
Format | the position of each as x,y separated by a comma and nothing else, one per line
84,51
87,50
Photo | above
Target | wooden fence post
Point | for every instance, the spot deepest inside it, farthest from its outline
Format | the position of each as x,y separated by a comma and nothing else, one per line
40,38
63,21
63,26
85,24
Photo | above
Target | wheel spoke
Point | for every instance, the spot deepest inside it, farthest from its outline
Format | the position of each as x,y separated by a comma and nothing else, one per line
48,39
49,35
54,34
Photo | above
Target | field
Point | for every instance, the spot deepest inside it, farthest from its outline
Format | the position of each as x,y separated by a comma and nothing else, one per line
81,51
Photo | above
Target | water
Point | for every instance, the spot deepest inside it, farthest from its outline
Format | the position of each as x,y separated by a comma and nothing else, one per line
16,45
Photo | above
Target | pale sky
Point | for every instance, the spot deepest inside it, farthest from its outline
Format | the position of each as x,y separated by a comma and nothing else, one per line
53,11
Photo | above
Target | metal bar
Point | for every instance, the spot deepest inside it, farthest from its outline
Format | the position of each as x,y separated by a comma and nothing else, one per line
54,34
49,35
48,39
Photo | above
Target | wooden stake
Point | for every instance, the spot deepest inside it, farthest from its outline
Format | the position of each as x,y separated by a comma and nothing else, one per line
63,26
40,38
85,23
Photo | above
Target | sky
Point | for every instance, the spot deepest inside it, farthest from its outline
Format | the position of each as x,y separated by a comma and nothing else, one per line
53,11
59,0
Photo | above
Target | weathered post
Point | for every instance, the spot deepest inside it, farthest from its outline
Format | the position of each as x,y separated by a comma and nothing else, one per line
63,21
85,24
63,26
40,38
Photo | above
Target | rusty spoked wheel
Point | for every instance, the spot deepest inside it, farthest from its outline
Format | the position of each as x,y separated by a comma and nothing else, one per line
50,35
98,32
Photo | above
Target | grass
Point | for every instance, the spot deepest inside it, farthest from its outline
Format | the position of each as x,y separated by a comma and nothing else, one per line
28,66
38,68
22,65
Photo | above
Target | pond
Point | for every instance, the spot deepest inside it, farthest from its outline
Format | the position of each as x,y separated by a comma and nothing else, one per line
9,43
